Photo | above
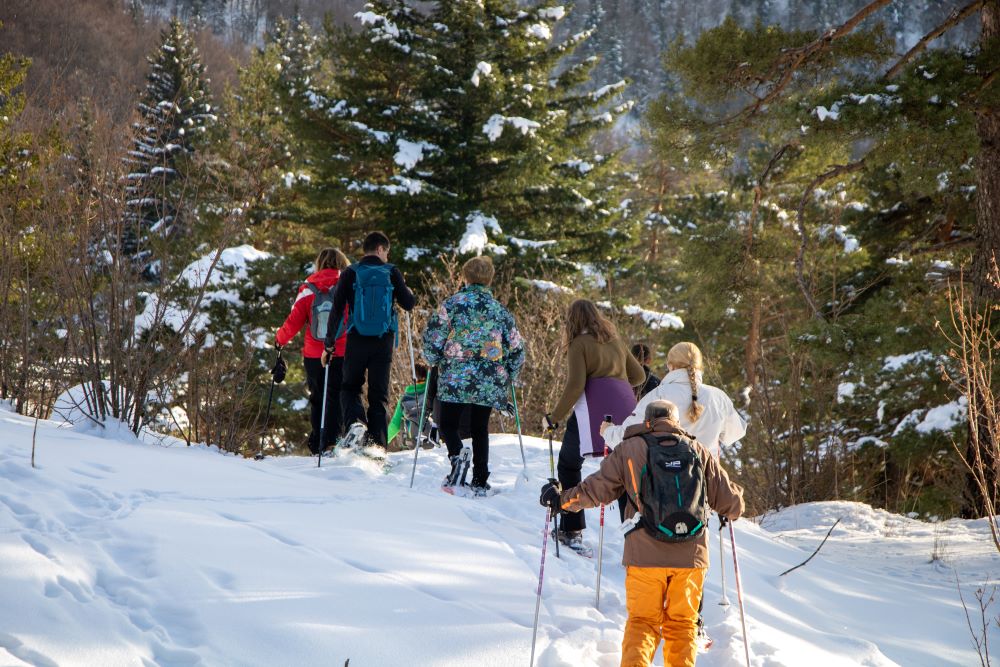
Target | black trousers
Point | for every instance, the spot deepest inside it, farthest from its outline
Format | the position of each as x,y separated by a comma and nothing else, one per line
569,468
464,422
314,380
570,471
479,423
371,354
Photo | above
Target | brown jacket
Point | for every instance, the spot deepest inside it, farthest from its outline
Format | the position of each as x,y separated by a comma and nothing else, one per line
620,473
586,358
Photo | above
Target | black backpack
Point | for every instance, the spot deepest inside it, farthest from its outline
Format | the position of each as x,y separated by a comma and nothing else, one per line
672,490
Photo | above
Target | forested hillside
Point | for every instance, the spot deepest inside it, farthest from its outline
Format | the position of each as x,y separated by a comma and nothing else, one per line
628,34
809,191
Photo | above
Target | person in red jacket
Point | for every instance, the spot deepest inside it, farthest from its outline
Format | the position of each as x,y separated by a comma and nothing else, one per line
329,264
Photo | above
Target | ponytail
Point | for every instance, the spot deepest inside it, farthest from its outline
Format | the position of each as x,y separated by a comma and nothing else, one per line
696,408
688,356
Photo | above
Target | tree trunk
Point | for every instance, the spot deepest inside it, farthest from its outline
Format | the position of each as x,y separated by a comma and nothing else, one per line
983,272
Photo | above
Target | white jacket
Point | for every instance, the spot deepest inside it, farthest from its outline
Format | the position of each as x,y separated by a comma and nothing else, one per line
719,423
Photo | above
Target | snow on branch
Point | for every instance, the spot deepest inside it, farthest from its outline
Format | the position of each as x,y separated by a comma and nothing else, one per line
484,70
493,128
409,153
655,319
475,239
609,89
552,13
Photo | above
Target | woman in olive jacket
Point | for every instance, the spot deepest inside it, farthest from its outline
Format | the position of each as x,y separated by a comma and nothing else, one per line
600,376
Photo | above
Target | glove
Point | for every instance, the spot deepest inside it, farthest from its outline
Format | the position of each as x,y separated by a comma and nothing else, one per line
507,410
550,495
548,424
723,522
279,371
278,346
326,356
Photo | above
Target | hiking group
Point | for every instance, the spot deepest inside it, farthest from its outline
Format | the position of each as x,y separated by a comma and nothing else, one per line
659,438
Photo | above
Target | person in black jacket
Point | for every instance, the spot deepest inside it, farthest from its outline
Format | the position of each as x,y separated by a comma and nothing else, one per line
372,332
644,356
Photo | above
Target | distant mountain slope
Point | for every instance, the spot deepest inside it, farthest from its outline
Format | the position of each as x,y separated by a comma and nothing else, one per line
631,34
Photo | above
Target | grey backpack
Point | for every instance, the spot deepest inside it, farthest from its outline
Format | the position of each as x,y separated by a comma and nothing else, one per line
322,307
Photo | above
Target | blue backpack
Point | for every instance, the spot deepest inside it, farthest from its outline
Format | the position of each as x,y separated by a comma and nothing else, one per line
373,313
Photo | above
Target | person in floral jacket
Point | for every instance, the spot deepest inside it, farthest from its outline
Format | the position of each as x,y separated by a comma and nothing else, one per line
478,352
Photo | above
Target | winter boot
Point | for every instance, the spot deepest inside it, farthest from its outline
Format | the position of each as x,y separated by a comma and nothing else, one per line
459,468
574,540
355,436
480,487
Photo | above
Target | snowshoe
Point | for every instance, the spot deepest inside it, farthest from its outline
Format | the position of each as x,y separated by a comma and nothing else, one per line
355,436
459,469
480,487
483,491
574,540
703,641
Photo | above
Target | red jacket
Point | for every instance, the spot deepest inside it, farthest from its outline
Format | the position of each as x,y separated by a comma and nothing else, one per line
301,316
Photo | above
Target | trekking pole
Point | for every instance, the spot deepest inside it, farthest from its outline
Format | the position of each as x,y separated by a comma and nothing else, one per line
267,414
739,594
724,602
722,564
409,334
413,371
420,425
552,472
520,438
600,552
541,574
322,417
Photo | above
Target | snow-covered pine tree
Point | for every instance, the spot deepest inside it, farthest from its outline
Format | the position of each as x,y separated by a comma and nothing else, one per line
325,87
175,116
453,129
501,152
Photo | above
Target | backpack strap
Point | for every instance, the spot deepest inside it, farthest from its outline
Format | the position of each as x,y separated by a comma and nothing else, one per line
651,441
312,288
637,483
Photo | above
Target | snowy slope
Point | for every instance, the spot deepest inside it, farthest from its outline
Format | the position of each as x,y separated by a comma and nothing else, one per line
127,553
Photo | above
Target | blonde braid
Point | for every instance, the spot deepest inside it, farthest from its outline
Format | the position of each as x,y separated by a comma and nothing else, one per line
696,409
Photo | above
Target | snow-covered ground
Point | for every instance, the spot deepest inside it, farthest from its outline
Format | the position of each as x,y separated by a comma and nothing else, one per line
126,553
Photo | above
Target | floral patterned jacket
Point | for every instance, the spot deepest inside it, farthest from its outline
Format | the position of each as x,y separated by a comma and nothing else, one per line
472,340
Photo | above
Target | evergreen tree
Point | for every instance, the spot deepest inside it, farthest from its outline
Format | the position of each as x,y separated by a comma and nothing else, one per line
13,71
847,199
176,117
452,130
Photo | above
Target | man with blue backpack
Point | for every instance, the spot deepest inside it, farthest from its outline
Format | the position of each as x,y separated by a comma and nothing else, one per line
369,289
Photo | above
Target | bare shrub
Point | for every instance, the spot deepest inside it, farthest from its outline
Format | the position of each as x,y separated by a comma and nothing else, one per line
980,620
973,342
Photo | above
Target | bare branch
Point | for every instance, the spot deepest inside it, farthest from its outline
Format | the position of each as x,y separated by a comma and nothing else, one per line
793,59
813,553
956,17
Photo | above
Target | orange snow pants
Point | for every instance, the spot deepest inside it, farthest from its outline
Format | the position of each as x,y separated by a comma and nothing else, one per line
662,602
